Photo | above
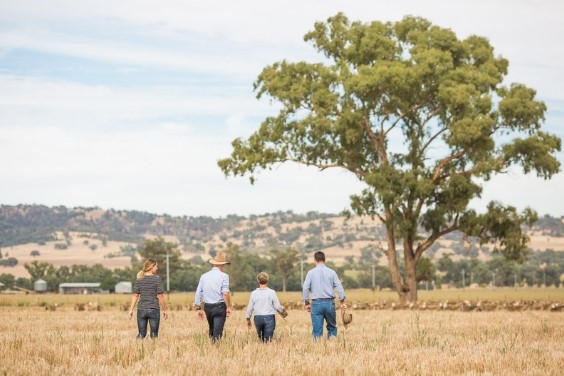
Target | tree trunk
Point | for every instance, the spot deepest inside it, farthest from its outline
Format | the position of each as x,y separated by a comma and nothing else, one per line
284,284
410,264
393,265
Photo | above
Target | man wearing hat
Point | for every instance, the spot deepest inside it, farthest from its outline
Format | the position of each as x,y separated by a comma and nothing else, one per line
321,282
213,289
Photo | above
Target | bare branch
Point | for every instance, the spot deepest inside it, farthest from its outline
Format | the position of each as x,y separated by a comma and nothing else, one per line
444,162
422,247
322,167
377,141
434,137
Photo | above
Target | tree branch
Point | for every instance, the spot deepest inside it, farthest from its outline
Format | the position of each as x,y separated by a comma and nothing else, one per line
433,138
444,162
377,141
422,247
322,167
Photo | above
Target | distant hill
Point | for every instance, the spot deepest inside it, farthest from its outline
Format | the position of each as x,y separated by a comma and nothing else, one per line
88,236
23,224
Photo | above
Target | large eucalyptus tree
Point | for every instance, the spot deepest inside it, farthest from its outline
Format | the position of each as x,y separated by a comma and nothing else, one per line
420,117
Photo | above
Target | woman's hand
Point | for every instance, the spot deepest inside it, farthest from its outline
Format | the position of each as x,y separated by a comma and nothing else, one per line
165,315
130,315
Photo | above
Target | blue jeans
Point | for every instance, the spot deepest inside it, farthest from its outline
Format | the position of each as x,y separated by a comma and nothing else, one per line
323,310
265,325
216,314
151,316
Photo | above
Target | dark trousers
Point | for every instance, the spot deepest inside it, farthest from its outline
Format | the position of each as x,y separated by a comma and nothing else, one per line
216,315
265,325
148,316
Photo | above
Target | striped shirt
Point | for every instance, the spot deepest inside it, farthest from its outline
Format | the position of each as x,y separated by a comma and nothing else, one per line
321,281
211,287
148,287
263,301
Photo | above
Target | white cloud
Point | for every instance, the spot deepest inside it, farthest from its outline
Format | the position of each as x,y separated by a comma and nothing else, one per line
145,145
31,101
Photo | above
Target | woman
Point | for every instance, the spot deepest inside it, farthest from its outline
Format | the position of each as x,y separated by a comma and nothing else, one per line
149,292
263,303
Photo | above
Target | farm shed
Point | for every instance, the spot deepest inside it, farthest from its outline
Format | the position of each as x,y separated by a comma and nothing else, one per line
2,285
40,286
80,288
124,288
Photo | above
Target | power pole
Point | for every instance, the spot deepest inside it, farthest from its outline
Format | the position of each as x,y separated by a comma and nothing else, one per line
302,269
167,275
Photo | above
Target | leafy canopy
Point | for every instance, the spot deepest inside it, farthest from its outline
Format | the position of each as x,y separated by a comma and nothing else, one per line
418,115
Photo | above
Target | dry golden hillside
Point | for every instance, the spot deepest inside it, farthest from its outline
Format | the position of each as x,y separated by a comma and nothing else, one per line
337,237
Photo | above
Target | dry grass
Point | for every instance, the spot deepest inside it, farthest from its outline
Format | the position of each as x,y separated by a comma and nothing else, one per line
39,342
549,294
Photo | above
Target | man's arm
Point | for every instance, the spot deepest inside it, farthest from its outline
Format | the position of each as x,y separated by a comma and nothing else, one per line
198,296
340,290
227,298
226,293
305,292
198,300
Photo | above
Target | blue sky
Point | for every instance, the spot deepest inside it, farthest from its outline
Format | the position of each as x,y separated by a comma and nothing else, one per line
130,104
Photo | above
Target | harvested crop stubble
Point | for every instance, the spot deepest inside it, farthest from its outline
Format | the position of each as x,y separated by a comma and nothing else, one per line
39,342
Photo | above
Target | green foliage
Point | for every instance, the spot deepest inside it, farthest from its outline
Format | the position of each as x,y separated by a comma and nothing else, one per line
284,260
501,227
10,261
415,82
425,270
244,268
39,269
381,277
8,280
550,226
158,249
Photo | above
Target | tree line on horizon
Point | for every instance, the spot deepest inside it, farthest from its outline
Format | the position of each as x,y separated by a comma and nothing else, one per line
284,265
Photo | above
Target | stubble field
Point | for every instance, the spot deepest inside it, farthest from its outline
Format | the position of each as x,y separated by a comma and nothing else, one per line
36,341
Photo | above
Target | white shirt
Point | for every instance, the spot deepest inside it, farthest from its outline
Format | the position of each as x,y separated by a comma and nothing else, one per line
263,301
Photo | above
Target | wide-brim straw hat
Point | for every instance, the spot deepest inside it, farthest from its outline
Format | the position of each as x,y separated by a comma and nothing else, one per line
347,318
219,259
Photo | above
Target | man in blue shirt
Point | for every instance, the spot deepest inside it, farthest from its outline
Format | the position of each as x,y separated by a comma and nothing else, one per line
213,289
321,282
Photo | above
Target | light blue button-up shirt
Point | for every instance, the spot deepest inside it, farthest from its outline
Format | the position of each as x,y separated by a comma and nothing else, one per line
322,281
211,287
